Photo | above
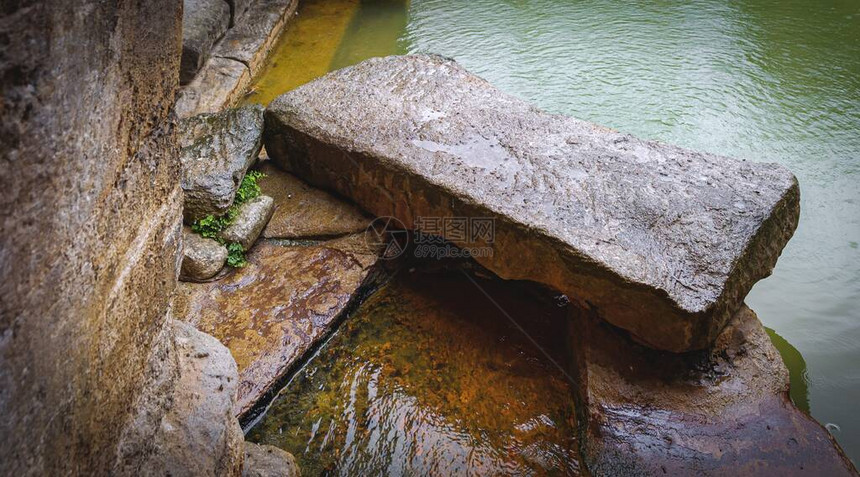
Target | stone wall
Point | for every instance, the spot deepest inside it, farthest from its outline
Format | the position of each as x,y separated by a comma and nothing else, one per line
90,223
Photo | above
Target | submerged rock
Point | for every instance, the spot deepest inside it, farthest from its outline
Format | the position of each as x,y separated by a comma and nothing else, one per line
216,151
249,222
203,23
199,435
202,257
273,310
268,461
663,241
302,211
723,411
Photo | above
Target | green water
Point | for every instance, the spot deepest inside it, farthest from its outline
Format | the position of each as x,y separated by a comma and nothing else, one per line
764,80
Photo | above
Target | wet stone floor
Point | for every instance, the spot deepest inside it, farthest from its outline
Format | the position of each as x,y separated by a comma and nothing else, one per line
430,377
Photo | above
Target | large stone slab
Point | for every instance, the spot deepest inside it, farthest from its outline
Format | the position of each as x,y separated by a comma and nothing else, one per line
203,23
665,242
216,151
302,211
725,411
273,310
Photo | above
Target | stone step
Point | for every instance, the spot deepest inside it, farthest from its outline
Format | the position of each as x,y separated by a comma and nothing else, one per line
663,241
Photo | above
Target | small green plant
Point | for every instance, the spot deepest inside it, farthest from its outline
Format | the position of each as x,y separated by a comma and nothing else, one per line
236,255
211,226
248,189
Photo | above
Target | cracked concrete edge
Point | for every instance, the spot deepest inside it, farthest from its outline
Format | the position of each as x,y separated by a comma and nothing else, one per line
227,74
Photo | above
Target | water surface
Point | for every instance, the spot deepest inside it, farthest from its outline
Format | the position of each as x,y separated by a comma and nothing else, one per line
430,379
764,80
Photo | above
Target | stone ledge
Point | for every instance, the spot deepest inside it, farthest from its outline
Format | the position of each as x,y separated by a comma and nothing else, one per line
236,59
723,411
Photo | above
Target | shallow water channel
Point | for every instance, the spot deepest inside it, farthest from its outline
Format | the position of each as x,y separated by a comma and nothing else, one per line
430,377
764,80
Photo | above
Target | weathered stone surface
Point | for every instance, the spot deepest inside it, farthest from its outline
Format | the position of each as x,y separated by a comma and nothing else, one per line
249,222
268,461
302,211
665,242
218,85
273,310
199,435
720,412
216,151
238,8
89,228
203,23
254,35
202,257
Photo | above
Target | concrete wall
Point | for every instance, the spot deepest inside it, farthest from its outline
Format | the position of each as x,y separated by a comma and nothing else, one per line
90,222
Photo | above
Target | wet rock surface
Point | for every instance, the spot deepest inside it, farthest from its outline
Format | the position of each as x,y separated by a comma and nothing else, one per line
273,310
203,23
268,461
250,221
665,242
720,412
199,435
216,151
302,211
202,258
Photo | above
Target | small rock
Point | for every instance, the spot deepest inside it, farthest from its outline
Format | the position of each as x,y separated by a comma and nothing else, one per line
268,461
250,221
203,23
202,258
216,151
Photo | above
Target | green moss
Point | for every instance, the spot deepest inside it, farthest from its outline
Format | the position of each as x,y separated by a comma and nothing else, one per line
211,226
236,255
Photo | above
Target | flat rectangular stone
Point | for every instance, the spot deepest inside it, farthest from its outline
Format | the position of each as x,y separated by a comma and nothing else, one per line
256,33
219,84
661,241
275,309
